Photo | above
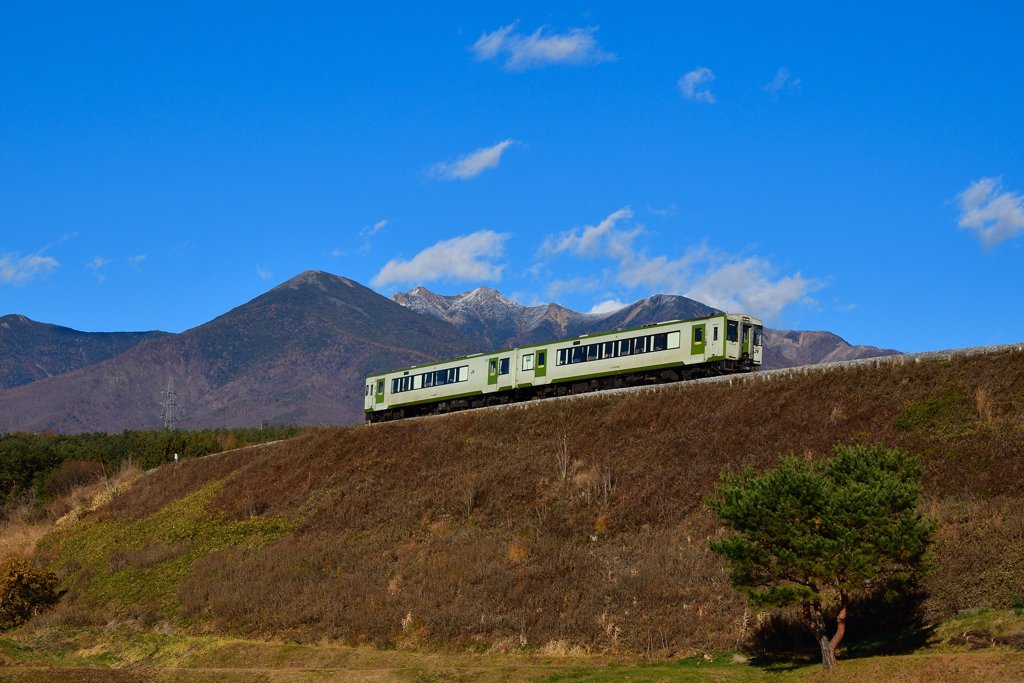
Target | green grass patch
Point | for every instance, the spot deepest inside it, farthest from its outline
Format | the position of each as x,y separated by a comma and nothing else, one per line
948,414
119,563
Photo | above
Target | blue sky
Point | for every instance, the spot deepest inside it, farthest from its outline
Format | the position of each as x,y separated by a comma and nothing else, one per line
859,170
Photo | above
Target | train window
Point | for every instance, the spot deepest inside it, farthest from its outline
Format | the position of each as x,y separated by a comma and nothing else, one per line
394,385
492,367
417,382
367,390
453,375
592,351
428,380
746,334
503,366
609,350
757,335
641,345
625,347
660,341
541,358
698,335
673,340
562,356
440,378
528,362
380,386
577,354
732,332
714,336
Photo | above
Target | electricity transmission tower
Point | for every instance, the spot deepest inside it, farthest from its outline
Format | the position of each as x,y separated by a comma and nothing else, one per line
170,404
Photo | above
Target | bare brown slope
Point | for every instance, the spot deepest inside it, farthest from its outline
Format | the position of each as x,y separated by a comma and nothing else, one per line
298,354
31,350
462,529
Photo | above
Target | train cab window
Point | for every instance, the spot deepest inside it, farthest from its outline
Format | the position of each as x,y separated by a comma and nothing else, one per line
528,362
503,366
541,358
698,335
732,331
714,333
757,335
660,342
367,390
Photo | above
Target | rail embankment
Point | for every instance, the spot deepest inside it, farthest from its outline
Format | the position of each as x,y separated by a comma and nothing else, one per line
573,523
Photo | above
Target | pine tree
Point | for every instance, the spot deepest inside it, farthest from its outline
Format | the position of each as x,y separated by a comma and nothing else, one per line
812,534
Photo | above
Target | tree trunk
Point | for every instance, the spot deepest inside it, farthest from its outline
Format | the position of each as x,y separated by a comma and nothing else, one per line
814,621
844,597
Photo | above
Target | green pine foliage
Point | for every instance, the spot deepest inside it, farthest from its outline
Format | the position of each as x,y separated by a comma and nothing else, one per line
810,534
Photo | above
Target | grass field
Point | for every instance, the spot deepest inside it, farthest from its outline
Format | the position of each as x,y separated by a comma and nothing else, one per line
987,646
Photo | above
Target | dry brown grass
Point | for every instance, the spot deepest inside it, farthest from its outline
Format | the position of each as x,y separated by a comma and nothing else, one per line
584,521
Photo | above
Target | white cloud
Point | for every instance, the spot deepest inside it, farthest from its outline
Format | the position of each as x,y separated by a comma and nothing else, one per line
264,274
469,257
780,81
576,46
608,306
468,165
996,216
730,282
338,252
95,266
372,229
18,269
593,239
742,285
693,86
669,211
134,261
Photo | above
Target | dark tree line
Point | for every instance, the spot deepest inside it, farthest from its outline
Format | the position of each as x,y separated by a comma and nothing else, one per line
47,463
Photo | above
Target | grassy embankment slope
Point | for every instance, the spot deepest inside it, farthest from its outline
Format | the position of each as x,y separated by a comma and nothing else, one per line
461,531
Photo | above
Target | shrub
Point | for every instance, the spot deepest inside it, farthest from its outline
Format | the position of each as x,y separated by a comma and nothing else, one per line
24,590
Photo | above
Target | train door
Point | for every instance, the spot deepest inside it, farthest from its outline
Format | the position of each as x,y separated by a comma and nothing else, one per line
698,343
380,391
745,339
540,363
492,371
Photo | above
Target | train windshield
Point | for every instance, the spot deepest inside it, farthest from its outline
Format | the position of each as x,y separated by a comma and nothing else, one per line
757,335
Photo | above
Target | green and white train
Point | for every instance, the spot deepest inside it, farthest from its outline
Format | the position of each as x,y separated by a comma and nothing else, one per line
662,352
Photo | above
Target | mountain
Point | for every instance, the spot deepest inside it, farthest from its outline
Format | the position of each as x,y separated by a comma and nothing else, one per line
297,354
500,322
789,348
31,350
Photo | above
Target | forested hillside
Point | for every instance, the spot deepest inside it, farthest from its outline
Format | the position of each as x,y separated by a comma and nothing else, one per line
580,520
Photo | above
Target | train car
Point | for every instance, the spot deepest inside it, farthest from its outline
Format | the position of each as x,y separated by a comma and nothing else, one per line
662,352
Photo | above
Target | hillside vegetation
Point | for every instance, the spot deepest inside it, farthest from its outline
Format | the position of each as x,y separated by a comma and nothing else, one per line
571,525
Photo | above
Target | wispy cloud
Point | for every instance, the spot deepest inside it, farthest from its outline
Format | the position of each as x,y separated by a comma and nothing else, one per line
782,79
469,257
727,281
694,85
264,274
373,229
540,48
996,216
95,266
17,269
338,252
670,210
134,261
469,165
